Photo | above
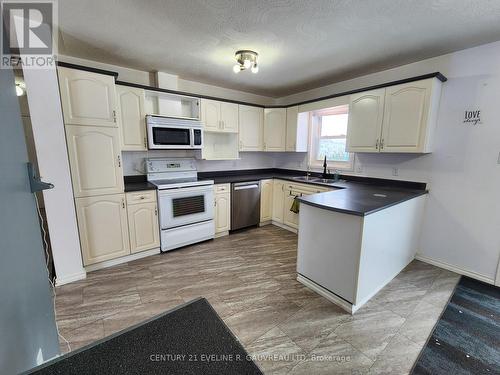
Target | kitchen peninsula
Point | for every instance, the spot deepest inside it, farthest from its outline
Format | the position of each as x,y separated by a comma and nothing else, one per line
353,241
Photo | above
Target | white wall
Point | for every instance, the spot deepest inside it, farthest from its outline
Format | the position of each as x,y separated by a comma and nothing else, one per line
133,161
50,144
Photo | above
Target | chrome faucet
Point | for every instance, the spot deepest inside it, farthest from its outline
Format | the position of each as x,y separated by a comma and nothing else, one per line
325,165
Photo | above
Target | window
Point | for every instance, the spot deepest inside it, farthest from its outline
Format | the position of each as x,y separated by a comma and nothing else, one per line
328,138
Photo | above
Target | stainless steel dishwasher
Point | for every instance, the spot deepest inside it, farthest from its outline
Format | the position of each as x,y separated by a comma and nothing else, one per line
245,204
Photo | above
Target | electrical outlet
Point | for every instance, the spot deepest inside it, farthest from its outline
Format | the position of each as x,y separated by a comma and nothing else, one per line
395,171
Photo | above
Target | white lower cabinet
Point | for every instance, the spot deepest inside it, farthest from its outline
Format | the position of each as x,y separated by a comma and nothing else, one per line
284,194
278,200
222,204
102,223
266,200
143,227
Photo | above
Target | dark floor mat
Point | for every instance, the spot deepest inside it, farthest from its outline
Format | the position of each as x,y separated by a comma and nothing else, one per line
190,339
466,339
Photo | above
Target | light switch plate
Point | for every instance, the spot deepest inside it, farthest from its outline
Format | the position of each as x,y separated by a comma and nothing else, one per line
395,171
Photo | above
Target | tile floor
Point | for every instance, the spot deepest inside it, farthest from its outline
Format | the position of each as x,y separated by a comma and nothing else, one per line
249,278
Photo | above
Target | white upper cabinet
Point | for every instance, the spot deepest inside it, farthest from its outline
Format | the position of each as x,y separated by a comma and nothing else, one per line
219,116
132,118
95,160
297,125
366,112
210,115
229,117
399,118
251,133
410,116
274,129
87,98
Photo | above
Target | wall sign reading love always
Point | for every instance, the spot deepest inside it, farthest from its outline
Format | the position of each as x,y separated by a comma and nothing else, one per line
472,117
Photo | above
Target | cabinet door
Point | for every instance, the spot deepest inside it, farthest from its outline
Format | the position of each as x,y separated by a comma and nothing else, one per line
251,133
132,118
95,160
278,200
274,129
210,110
266,200
229,117
102,223
292,114
222,212
366,112
290,218
143,227
87,98
405,117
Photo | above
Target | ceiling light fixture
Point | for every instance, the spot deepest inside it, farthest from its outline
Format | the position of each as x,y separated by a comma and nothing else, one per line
246,59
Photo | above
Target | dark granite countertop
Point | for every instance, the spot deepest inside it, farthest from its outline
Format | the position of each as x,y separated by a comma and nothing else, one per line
353,194
359,199
137,183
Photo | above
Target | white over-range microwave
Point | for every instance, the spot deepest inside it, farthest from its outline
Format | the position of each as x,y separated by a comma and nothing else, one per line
169,133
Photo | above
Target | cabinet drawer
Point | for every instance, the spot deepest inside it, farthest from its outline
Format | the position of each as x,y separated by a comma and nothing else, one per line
222,188
147,196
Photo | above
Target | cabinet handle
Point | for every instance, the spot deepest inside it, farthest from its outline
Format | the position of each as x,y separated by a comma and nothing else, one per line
215,203
241,145
376,144
265,146
382,144
145,142
119,161
114,115
123,202
156,211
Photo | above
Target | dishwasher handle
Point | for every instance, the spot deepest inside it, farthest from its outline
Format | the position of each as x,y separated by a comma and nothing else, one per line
245,187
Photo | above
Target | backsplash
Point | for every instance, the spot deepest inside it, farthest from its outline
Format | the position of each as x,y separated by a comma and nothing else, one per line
133,161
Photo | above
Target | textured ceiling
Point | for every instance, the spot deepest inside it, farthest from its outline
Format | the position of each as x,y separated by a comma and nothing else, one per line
302,44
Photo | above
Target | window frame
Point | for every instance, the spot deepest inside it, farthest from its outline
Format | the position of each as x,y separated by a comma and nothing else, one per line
315,137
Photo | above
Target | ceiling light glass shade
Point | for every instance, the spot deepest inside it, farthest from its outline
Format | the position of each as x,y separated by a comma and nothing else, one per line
19,90
245,59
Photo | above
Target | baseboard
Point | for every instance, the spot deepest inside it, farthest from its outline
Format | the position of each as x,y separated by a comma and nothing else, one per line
455,269
121,260
344,305
283,226
71,278
262,223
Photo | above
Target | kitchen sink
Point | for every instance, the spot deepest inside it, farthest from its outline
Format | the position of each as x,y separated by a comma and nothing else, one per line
316,179
307,178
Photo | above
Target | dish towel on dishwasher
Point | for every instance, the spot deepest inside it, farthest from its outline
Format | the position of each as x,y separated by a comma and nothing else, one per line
295,205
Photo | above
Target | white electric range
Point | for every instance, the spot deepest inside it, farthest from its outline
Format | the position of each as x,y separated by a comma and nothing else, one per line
186,204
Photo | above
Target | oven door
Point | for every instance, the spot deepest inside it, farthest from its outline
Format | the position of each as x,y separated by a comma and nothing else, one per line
169,137
183,206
